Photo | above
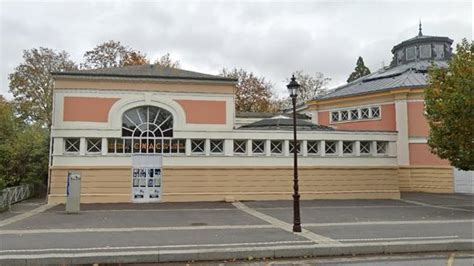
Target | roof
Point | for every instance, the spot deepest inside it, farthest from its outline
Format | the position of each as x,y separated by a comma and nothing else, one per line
265,115
422,39
281,123
143,71
407,75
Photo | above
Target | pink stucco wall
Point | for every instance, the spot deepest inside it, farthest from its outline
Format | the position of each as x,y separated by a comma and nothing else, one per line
204,112
420,155
87,109
417,123
386,123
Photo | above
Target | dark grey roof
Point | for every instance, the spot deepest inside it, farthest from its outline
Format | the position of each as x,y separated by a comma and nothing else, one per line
143,71
422,39
285,124
266,115
408,75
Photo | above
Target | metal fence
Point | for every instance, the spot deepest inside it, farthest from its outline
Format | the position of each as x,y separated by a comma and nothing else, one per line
12,195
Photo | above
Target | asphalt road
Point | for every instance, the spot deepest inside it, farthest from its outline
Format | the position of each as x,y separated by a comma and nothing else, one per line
190,226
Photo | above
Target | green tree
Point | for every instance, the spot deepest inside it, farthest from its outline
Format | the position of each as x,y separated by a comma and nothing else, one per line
32,84
449,105
252,93
359,71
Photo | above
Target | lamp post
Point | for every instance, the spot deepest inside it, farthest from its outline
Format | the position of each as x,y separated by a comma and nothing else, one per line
293,87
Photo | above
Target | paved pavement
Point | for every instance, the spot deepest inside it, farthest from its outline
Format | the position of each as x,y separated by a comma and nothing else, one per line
196,231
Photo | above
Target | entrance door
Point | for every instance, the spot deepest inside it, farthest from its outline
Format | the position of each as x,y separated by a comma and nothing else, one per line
146,178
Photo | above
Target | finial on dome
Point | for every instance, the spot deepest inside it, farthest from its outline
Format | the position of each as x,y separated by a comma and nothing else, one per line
419,29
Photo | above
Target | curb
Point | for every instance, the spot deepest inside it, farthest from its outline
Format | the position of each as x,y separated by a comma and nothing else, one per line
313,250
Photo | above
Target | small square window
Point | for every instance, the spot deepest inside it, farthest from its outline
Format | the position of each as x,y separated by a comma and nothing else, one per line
382,147
375,112
344,115
178,146
197,146
94,145
312,147
334,116
365,147
331,147
364,113
240,146
292,147
411,53
72,145
258,146
348,147
276,146
425,51
354,114
217,146
439,51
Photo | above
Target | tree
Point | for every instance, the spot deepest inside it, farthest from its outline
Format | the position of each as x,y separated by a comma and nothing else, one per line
311,86
32,84
252,93
166,61
449,107
359,71
112,54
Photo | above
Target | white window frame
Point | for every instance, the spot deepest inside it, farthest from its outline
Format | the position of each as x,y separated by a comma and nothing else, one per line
276,147
196,143
372,108
333,147
258,147
406,53
73,144
242,145
381,147
216,146
362,147
429,53
299,149
332,116
311,145
178,141
348,147
344,115
351,112
92,145
362,113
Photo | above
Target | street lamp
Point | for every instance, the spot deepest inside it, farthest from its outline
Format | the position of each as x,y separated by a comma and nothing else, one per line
293,87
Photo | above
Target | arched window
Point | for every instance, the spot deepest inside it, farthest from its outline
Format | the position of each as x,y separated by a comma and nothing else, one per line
145,128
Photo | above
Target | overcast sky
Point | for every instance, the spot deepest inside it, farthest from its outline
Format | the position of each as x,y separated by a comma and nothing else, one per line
271,39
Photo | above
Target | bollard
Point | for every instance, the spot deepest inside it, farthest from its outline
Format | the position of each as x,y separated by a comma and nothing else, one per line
73,192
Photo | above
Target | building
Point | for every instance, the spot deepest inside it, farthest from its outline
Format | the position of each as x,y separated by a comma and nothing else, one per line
148,133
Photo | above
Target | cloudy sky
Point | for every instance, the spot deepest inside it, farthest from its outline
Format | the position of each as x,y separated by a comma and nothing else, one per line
271,39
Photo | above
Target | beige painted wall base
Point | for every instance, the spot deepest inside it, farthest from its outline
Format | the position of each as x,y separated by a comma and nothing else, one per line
439,179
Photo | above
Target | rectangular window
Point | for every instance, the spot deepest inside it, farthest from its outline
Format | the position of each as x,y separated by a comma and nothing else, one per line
331,147
364,113
312,147
334,116
72,145
365,147
217,146
375,111
354,114
425,51
411,53
382,147
240,146
166,145
111,145
344,115
178,146
197,146
258,146
127,145
292,147
276,146
348,147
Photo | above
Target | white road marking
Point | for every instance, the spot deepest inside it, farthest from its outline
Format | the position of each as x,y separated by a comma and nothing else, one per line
158,247
392,222
283,225
25,215
158,210
434,206
397,238
131,229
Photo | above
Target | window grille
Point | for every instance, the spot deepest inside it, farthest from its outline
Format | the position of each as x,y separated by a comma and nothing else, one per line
276,146
331,147
354,114
258,146
94,145
364,113
72,145
197,146
381,147
348,147
240,146
344,115
334,116
292,147
365,147
375,112
312,147
217,146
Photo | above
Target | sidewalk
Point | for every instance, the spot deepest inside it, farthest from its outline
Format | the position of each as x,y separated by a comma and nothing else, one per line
107,233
